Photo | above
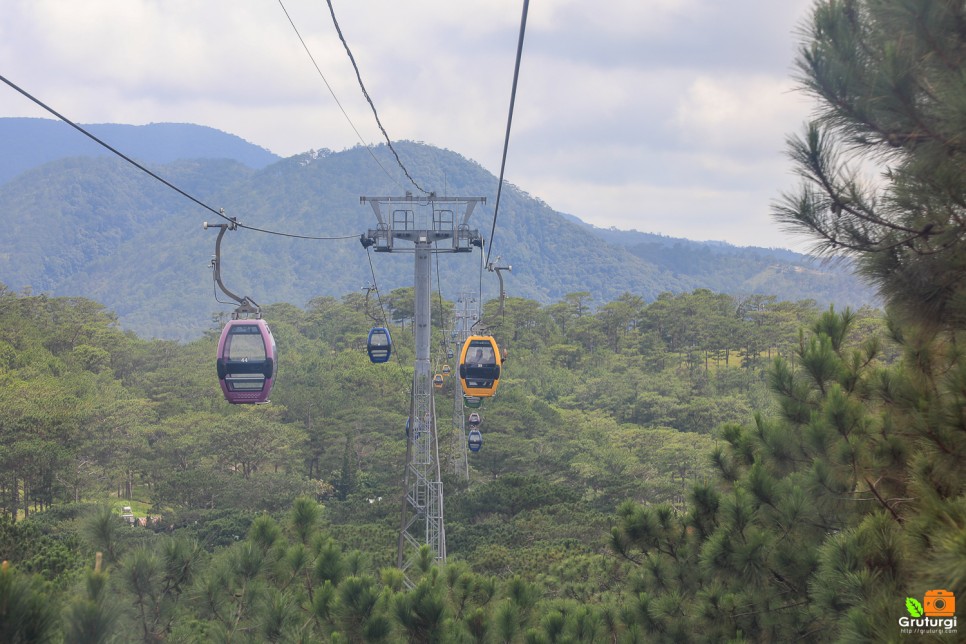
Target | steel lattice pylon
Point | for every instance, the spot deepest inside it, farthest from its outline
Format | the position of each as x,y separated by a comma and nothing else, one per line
432,225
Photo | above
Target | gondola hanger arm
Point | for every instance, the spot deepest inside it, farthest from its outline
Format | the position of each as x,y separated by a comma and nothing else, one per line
245,304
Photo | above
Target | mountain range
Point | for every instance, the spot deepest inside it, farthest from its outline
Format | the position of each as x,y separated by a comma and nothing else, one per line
80,221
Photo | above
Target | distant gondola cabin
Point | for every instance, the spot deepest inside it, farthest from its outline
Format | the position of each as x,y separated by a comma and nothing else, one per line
475,440
474,419
247,361
379,344
480,366
438,381
446,370
473,402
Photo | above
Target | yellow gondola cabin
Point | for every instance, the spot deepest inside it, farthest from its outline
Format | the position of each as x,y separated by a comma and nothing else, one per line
480,366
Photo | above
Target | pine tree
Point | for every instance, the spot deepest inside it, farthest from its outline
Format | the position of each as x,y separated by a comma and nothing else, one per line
824,518
26,613
888,75
155,579
91,617
891,97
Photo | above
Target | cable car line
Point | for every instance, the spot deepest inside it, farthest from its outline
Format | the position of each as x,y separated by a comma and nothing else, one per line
379,344
246,305
336,98
439,291
368,288
375,287
369,99
219,212
247,357
293,235
115,151
442,326
479,317
509,120
495,267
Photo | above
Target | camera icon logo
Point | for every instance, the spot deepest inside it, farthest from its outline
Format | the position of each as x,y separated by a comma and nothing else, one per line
939,603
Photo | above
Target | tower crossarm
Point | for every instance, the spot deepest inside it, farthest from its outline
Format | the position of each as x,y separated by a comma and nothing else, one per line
428,219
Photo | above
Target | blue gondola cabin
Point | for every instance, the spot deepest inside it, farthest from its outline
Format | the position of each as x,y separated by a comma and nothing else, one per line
379,344
475,440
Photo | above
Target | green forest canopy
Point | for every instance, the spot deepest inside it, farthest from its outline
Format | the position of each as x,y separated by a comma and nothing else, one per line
598,407
697,468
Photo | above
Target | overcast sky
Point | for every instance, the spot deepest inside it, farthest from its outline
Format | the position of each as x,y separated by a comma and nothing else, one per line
665,116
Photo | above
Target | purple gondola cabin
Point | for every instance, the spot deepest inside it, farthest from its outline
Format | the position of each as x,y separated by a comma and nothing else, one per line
247,361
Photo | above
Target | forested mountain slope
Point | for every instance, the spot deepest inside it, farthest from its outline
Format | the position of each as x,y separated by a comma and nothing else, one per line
98,227
30,142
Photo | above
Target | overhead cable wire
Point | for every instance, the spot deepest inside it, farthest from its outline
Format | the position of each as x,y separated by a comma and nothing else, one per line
369,99
375,287
382,309
293,235
156,176
509,121
115,151
439,291
334,97
479,317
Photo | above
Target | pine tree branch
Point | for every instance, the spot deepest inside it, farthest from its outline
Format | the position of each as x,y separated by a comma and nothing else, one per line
626,556
882,501
811,153
804,602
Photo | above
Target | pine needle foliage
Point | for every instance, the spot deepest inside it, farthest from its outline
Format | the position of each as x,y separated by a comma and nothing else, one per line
821,523
884,161
26,614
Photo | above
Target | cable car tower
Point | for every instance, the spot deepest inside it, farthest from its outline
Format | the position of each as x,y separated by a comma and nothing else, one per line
431,224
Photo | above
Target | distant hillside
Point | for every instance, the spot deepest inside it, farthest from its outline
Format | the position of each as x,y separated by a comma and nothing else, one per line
97,227
636,238
30,142
726,268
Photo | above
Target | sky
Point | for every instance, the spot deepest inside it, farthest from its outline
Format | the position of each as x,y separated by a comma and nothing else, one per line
663,116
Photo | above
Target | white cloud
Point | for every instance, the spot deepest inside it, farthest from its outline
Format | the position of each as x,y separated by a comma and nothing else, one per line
742,114
739,217
679,107
634,18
